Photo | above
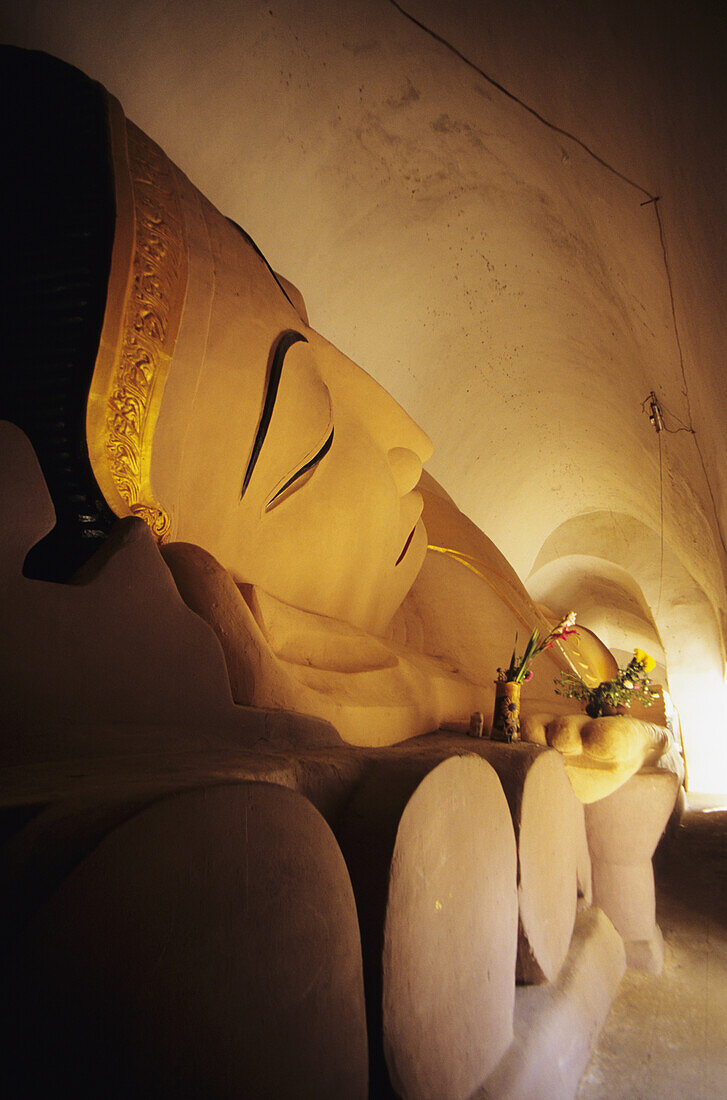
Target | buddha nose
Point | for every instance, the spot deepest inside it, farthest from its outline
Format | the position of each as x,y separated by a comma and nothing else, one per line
406,468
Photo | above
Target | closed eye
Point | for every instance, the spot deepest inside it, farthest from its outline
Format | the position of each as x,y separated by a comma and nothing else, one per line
306,469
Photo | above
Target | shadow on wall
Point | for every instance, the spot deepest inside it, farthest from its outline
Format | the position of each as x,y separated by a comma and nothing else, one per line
608,566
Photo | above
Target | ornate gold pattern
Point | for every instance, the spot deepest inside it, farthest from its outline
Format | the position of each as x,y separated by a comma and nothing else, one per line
150,323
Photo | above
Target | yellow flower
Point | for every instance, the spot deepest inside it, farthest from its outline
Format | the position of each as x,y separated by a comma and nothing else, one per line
644,659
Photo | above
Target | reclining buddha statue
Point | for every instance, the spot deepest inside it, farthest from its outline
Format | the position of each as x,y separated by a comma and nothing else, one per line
163,370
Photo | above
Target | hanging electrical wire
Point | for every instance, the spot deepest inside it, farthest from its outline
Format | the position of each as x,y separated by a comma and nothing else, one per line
661,526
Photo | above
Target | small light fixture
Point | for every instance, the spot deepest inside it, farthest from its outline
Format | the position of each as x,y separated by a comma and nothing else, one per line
655,416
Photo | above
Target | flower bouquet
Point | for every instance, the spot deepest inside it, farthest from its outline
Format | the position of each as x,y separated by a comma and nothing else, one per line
506,722
630,685
519,670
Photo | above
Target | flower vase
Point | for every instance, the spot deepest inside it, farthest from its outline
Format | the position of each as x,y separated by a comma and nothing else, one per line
506,720
605,710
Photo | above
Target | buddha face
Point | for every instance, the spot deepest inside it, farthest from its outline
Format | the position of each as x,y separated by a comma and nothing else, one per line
275,452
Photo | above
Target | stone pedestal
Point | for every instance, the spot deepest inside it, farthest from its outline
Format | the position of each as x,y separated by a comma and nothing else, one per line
208,947
552,862
429,844
556,1025
623,831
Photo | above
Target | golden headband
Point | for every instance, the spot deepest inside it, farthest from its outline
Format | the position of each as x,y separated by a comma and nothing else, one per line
147,284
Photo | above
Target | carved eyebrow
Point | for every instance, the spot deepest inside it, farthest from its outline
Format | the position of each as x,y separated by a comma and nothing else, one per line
285,342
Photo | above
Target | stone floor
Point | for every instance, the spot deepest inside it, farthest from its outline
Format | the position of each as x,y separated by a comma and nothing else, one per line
666,1037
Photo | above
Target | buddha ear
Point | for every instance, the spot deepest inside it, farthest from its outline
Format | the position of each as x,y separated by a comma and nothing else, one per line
294,295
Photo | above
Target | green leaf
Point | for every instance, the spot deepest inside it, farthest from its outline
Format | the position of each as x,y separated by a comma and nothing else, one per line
513,661
531,646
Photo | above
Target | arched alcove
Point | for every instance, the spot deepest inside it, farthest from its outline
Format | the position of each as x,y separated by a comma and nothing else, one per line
610,567
609,602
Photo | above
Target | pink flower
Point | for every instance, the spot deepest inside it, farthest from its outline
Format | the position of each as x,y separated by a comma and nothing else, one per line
528,676
566,624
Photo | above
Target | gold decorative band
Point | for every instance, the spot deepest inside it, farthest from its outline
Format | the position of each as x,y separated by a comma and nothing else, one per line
149,273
